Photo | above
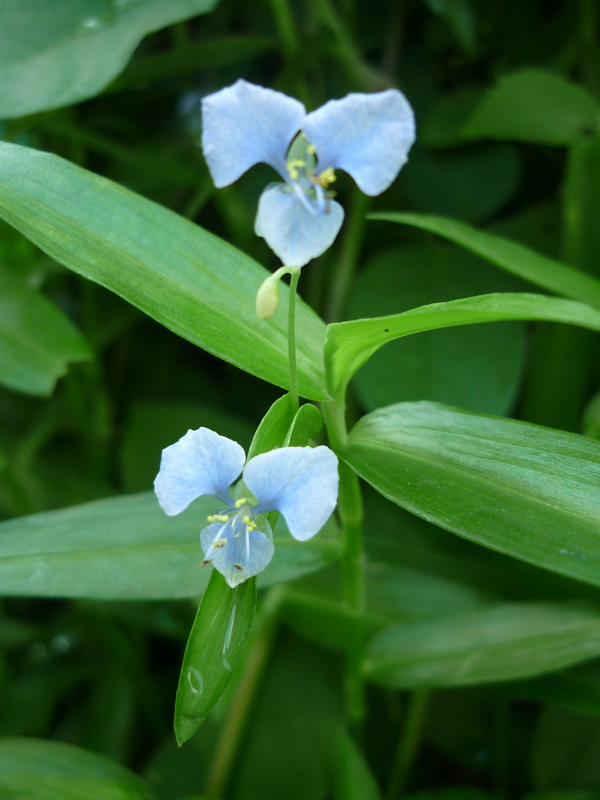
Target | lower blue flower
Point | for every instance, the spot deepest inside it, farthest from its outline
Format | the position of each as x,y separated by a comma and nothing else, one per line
299,482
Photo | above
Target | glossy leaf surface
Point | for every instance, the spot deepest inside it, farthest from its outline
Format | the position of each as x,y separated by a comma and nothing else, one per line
508,255
56,52
350,344
527,491
127,548
353,779
498,643
216,644
37,341
197,285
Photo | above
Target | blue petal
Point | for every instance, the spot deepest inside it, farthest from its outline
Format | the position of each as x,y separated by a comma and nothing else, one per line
245,124
366,135
300,482
235,552
201,462
294,233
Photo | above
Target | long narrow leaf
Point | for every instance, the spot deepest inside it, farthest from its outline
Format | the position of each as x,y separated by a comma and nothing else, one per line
349,345
189,280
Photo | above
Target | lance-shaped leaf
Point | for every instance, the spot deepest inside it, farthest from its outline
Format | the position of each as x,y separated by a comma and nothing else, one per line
527,491
506,254
500,643
55,52
215,646
349,345
192,282
127,548
37,341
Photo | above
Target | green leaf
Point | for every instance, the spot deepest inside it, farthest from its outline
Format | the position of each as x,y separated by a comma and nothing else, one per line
534,106
53,53
216,644
127,548
273,427
189,280
527,491
508,255
306,425
37,341
349,345
24,786
353,779
499,643
477,368
41,769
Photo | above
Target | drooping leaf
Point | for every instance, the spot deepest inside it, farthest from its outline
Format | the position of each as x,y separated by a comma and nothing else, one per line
306,425
56,52
508,255
216,644
534,106
127,548
527,491
350,344
37,341
498,643
189,280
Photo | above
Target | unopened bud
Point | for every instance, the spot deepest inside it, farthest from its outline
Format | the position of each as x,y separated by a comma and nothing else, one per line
267,297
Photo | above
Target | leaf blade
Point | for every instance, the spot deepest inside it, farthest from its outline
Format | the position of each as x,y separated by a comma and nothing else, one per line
195,284
348,345
527,491
506,254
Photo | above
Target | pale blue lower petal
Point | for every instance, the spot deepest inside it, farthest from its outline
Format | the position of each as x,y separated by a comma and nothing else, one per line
300,482
297,230
201,462
245,124
235,552
366,135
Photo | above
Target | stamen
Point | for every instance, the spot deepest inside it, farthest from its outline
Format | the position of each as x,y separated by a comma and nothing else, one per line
249,522
238,566
241,502
326,177
204,563
218,518
219,543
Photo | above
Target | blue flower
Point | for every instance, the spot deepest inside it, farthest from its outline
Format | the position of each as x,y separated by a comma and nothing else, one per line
299,482
366,135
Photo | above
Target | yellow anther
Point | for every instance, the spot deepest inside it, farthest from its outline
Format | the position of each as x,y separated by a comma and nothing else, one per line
249,522
219,543
293,167
326,177
218,518
241,502
310,149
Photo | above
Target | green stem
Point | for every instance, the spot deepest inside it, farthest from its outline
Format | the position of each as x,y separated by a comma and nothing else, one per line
350,510
295,277
245,695
409,742
286,26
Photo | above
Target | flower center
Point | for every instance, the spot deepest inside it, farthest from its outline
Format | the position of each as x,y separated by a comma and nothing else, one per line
301,163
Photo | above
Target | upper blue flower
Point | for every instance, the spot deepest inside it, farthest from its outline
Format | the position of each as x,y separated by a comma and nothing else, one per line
366,135
299,482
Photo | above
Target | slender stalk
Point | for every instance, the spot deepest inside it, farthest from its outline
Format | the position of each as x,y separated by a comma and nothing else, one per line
245,695
350,510
286,26
295,277
408,745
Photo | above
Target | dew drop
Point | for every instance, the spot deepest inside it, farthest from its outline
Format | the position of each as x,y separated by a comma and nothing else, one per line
196,681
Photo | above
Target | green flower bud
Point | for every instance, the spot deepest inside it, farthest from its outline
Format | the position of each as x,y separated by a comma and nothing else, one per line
267,297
